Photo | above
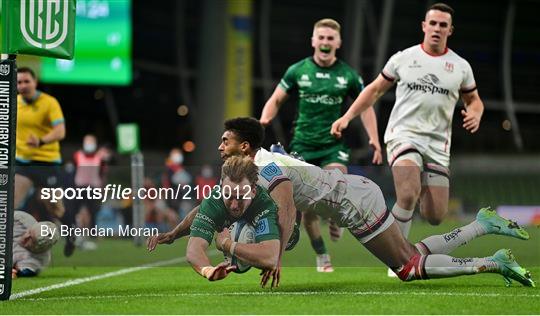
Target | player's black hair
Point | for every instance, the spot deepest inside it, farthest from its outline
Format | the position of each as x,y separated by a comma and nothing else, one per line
442,7
247,129
26,70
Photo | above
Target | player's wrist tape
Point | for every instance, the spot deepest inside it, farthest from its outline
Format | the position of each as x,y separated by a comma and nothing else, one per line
223,243
206,271
232,248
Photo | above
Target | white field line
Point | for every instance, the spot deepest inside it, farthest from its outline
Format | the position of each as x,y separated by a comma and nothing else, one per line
101,276
268,293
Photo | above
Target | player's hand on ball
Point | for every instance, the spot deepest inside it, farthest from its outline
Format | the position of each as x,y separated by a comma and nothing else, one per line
218,272
471,120
377,152
13,273
163,238
222,237
338,126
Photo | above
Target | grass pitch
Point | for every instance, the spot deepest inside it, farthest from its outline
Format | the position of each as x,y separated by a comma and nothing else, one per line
358,286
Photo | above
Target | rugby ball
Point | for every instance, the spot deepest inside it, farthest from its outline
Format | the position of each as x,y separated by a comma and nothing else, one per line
241,232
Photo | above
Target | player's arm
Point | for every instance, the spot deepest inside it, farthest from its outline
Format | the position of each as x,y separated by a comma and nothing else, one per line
369,120
282,194
271,107
196,256
474,108
263,255
57,133
365,99
181,230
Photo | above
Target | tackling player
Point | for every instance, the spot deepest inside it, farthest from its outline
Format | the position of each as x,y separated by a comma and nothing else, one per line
430,79
323,83
357,203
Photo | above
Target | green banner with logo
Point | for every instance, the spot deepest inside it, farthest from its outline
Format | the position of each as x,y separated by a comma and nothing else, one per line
127,138
39,27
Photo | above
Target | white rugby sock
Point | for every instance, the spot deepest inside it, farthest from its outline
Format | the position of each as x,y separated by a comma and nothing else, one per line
446,243
403,219
443,266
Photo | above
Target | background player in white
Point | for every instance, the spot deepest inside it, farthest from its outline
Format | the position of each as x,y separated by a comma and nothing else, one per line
430,78
31,247
357,203
323,83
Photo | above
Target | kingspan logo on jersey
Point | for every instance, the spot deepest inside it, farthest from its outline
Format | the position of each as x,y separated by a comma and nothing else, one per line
428,84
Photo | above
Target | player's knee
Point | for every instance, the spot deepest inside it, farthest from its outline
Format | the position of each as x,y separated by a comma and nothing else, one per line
408,197
435,221
434,218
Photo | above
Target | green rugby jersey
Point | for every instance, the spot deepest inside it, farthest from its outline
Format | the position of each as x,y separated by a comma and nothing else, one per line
213,216
322,92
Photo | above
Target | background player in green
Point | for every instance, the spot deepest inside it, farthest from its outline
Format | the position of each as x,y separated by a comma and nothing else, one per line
323,83
246,201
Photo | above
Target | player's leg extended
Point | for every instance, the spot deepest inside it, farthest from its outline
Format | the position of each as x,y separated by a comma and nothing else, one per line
487,222
55,209
392,249
407,182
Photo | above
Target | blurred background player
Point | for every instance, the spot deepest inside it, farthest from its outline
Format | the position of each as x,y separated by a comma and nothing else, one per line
430,79
323,83
40,128
90,169
205,181
31,247
174,175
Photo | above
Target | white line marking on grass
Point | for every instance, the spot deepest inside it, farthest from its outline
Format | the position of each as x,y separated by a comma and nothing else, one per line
268,293
101,276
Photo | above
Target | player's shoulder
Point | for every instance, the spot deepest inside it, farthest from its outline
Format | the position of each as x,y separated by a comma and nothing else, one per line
409,52
456,58
262,206
213,203
24,218
264,158
301,64
47,97
263,198
341,64
263,195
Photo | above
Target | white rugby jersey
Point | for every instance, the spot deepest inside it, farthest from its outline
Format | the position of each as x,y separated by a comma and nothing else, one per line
428,88
314,189
22,257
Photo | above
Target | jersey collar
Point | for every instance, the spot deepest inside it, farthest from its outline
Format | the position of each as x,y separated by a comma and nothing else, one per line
434,55
33,100
321,67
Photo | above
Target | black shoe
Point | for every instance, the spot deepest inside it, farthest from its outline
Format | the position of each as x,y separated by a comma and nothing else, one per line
69,247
